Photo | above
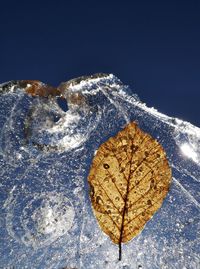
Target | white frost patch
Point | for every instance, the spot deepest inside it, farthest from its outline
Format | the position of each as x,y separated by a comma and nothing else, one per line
71,142
68,120
67,126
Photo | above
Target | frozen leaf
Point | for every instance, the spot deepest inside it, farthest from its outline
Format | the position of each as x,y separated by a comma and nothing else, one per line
129,179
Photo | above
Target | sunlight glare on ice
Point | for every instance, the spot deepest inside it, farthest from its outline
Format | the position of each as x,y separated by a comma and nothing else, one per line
188,151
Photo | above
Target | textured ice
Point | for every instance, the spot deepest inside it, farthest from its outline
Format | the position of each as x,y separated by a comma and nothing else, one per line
46,220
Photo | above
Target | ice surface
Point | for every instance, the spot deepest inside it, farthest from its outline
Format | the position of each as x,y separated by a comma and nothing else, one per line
46,219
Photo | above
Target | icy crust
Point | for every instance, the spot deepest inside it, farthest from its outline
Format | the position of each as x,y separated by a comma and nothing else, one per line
46,219
88,83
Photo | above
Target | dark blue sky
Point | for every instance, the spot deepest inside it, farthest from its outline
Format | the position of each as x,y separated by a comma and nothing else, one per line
153,46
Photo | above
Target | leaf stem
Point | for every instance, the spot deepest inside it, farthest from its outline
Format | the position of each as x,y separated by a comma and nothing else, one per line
120,251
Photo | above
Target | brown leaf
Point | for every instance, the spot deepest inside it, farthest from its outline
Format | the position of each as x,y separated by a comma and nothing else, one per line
37,88
129,178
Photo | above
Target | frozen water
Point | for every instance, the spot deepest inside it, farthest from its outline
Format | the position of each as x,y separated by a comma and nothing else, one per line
46,220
